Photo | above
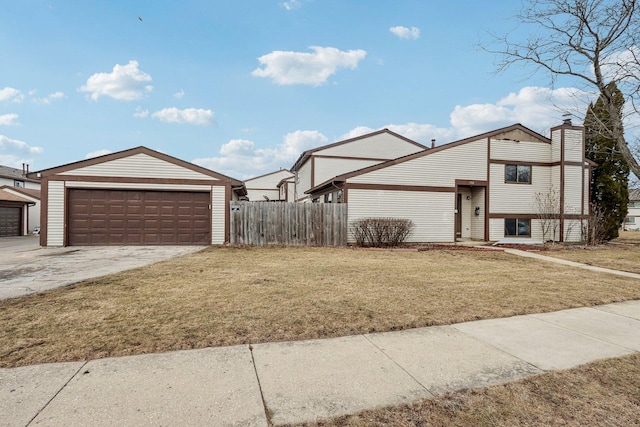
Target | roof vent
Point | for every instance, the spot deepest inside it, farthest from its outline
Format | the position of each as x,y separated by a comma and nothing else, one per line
433,143
566,119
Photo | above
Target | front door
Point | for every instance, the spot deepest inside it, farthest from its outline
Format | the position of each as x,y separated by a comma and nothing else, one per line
459,216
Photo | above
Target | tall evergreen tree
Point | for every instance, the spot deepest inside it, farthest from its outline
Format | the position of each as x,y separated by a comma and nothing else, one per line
610,180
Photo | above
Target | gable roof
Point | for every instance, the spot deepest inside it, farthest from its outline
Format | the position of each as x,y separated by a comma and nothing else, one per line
29,192
7,196
306,154
634,194
428,151
13,173
131,152
270,173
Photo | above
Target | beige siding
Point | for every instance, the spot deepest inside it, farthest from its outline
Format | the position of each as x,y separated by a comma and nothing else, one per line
517,198
55,220
326,169
268,181
304,179
442,168
586,192
138,166
572,230
258,195
555,145
573,145
218,210
520,151
477,221
381,146
496,230
572,189
432,213
266,185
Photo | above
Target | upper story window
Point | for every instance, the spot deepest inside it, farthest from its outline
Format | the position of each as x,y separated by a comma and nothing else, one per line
18,183
520,174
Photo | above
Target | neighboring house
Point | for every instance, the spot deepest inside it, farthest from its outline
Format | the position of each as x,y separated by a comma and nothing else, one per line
286,189
265,187
632,221
480,188
320,164
135,197
32,216
13,213
12,178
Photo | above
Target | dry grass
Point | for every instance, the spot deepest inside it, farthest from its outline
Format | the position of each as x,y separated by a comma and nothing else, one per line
603,393
621,254
224,296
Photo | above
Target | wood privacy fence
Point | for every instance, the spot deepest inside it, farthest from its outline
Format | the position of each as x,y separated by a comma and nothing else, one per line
280,223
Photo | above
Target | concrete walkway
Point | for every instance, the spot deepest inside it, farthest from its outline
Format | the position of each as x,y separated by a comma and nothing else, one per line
538,256
306,380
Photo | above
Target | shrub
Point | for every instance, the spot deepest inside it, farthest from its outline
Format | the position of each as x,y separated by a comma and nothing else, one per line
381,232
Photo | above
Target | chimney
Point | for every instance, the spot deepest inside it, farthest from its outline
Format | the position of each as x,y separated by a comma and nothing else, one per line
566,120
24,170
433,143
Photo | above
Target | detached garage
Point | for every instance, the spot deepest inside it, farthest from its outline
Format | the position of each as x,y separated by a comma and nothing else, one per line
135,197
13,213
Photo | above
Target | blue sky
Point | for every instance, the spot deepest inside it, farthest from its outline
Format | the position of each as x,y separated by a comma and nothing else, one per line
244,87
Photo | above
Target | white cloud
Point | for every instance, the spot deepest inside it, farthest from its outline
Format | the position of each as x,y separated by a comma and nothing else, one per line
179,95
8,119
291,4
412,33
14,152
535,107
140,113
98,153
192,116
49,98
290,68
125,83
240,158
10,94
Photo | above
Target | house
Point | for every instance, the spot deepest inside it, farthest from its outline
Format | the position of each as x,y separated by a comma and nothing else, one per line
287,188
135,197
27,214
632,221
481,188
265,187
23,219
322,163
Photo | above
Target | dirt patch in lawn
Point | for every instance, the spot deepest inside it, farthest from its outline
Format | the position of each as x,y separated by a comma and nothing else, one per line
225,296
603,393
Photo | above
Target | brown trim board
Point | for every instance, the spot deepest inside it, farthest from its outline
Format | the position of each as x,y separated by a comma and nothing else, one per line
391,187
117,180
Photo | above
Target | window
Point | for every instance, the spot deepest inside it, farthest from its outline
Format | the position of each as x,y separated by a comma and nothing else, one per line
630,220
17,183
517,227
634,204
520,174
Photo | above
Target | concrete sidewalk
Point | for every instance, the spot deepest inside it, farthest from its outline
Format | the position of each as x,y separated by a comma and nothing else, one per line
307,380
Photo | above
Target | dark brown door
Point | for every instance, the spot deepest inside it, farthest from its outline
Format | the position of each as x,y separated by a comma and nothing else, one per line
459,215
128,217
10,221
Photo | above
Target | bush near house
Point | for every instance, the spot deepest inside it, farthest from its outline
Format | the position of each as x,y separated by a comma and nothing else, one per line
381,232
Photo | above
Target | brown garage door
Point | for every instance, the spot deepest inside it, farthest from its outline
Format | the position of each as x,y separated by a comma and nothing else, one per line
9,221
123,217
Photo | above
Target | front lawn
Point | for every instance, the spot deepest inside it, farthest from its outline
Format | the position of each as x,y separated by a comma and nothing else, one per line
225,296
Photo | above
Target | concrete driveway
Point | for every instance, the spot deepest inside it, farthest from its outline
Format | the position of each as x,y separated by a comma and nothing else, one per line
26,268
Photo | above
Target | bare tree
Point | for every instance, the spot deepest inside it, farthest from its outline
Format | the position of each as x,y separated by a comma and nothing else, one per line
547,209
593,41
